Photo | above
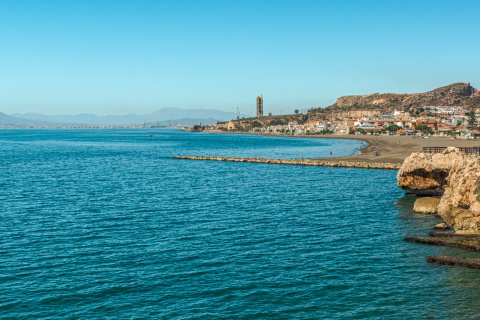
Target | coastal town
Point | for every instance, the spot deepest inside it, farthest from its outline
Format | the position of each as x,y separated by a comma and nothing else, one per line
431,120
457,120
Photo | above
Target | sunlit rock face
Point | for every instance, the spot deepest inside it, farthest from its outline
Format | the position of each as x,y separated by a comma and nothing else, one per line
426,205
455,175
426,173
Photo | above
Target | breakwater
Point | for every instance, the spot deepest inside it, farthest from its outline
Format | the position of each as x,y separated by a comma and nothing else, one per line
301,162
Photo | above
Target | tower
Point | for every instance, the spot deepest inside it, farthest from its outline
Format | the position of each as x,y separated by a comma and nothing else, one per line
260,106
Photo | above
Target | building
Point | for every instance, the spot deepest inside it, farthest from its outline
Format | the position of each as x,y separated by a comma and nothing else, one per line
260,106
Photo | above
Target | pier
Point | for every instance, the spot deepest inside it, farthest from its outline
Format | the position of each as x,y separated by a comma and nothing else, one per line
302,162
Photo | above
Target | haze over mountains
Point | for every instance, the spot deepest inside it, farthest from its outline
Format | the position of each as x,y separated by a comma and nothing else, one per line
162,117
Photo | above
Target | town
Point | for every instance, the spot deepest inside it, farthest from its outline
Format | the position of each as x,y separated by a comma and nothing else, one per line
424,121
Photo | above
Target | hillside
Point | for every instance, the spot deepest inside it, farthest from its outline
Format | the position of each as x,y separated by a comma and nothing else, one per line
456,94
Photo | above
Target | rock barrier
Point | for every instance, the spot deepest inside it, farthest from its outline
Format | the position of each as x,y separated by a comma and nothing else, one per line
304,162
449,261
471,244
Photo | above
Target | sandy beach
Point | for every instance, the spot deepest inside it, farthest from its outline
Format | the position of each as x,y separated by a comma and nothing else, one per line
394,149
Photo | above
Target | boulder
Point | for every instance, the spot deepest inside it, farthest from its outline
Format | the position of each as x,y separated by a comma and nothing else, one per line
455,175
426,205
441,226
426,173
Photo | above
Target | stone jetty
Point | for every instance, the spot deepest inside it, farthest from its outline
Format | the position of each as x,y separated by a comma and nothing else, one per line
301,162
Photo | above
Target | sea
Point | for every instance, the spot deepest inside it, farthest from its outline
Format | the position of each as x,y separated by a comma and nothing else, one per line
106,224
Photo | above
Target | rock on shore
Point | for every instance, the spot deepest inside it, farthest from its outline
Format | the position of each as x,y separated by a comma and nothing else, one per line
426,205
455,175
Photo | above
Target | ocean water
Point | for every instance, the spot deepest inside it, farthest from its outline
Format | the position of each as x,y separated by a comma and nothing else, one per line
106,224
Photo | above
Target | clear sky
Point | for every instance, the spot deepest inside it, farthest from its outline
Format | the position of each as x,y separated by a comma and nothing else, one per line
117,56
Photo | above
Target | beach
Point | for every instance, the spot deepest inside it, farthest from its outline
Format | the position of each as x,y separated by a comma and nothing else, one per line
391,149
395,149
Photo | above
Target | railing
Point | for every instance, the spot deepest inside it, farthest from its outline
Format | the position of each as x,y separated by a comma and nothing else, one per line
466,150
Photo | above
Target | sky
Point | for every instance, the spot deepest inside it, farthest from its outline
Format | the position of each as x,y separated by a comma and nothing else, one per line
118,57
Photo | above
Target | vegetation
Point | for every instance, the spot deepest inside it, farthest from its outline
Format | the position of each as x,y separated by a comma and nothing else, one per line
392,128
472,120
278,122
256,124
423,128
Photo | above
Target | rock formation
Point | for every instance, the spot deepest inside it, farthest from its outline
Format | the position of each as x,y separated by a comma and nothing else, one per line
426,205
455,175
455,94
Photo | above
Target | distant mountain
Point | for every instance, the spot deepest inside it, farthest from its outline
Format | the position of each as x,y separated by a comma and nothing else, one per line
166,114
9,121
183,122
175,113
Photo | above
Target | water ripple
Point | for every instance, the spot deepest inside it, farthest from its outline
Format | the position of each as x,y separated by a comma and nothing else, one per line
105,224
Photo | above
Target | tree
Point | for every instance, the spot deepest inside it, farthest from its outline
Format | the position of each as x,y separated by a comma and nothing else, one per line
423,128
472,120
392,128
296,111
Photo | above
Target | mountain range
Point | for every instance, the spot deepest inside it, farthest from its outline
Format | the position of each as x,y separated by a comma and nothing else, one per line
162,117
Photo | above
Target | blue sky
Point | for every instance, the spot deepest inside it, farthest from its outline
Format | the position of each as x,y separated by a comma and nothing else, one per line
117,57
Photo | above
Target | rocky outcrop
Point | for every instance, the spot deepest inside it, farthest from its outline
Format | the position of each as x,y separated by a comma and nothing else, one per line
460,93
426,173
455,175
426,205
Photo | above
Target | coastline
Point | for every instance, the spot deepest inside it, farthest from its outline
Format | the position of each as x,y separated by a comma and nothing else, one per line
391,149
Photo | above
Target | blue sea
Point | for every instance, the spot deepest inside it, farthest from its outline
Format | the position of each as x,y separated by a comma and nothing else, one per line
106,224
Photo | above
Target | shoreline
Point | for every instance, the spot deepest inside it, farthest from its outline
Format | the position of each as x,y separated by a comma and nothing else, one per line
392,149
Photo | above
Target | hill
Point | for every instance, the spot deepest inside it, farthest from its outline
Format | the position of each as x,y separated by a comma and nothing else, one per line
456,94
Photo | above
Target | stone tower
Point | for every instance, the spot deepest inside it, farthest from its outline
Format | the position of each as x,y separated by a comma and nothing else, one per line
260,106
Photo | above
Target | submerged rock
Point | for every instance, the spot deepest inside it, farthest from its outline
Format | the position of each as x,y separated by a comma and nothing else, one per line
426,205
450,261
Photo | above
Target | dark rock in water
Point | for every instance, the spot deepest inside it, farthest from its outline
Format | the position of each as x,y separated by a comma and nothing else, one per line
472,244
449,261
446,234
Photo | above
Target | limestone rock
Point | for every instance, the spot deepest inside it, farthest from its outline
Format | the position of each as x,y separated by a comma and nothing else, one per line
441,226
427,205
460,93
458,175
426,173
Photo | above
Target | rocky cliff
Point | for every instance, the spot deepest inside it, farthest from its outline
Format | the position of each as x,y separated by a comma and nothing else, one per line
456,94
455,175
